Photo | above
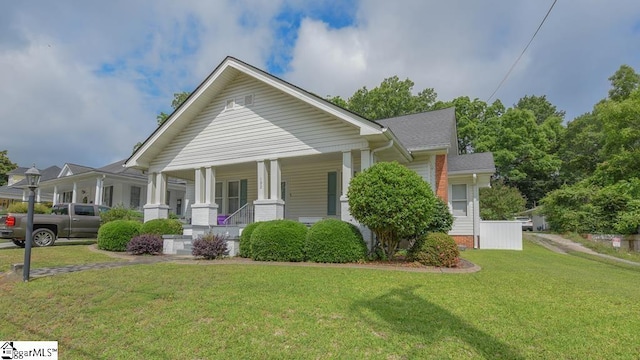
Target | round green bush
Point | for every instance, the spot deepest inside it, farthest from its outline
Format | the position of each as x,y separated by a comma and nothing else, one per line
119,212
115,235
162,227
278,240
436,249
21,208
245,239
335,241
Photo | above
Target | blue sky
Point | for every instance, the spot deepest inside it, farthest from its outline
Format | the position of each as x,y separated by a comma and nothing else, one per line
78,73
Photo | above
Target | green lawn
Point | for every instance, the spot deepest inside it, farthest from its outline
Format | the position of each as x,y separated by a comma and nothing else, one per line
533,304
58,255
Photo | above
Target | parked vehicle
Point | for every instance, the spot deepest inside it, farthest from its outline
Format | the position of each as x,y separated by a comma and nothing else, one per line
65,221
527,224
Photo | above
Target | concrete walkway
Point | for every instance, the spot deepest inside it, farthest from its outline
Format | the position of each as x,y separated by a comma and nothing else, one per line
562,245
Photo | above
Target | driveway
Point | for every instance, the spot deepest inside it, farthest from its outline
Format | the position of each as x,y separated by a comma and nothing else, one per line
561,245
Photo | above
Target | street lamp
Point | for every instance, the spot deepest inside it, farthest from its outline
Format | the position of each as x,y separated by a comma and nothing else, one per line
33,179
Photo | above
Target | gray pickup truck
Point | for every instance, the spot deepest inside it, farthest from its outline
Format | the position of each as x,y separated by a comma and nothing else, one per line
65,221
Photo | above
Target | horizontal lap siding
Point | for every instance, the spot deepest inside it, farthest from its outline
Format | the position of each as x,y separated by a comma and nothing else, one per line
307,189
276,123
463,225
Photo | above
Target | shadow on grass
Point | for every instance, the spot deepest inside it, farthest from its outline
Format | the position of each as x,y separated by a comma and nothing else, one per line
405,312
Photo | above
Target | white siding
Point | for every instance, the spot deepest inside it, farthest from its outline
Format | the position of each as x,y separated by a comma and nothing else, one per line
422,166
307,189
463,225
275,125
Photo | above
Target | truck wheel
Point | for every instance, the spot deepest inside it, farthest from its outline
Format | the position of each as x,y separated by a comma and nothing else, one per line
43,237
20,243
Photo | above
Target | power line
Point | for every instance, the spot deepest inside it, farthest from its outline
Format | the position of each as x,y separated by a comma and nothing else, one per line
522,53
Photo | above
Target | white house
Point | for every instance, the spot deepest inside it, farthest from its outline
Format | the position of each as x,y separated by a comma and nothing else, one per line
253,147
110,185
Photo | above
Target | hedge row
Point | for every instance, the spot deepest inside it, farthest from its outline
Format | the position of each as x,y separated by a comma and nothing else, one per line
330,240
136,237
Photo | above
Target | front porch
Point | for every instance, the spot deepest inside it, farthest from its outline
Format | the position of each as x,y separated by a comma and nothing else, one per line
313,186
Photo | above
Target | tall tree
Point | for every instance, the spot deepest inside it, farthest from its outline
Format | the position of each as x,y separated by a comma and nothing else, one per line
522,153
470,116
393,97
500,202
5,166
178,99
540,106
580,149
623,82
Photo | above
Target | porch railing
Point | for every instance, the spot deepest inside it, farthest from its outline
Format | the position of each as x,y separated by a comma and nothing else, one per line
243,216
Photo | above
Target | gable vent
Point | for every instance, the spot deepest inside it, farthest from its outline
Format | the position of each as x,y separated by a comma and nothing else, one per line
248,100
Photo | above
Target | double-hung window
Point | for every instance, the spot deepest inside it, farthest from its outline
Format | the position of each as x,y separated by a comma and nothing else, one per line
459,202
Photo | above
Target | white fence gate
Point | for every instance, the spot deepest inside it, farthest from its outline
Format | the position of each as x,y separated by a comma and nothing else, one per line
505,235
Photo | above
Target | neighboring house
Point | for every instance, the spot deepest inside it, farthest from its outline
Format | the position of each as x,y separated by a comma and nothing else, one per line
254,147
17,191
109,185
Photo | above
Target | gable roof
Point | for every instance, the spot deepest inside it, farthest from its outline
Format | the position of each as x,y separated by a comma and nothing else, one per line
221,76
47,174
73,169
471,163
18,171
424,131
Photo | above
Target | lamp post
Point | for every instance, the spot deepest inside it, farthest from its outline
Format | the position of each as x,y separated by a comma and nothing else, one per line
33,179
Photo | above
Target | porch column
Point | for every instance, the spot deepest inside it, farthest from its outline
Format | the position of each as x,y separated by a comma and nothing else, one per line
155,208
74,194
269,207
347,171
204,211
99,189
55,194
38,195
365,159
189,198
262,180
25,197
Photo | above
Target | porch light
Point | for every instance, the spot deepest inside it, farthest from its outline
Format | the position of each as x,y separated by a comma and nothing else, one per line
33,178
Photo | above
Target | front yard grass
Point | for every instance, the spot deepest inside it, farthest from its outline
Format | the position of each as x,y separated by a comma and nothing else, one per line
58,255
533,304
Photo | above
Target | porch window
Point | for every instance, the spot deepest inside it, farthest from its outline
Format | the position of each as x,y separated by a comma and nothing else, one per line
233,196
134,202
107,196
459,199
219,196
67,196
332,193
168,198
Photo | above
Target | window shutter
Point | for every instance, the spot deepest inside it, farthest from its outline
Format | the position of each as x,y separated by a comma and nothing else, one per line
243,192
332,192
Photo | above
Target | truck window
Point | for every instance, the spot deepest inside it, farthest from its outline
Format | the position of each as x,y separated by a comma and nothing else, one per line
84,210
60,210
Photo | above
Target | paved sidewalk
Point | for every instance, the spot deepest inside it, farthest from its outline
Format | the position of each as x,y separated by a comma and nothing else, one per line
561,245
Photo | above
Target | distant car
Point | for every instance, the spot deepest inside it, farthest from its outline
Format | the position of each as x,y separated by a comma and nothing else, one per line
527,224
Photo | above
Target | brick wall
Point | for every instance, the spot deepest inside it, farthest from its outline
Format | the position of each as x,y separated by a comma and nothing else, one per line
442,184
466,240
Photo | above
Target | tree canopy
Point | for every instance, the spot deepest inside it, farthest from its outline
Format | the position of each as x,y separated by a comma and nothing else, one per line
5,166
178,99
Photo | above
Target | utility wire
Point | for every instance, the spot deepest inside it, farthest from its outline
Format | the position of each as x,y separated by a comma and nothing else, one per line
522,53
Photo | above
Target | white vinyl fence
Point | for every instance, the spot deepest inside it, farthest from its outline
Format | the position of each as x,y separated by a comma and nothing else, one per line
505,235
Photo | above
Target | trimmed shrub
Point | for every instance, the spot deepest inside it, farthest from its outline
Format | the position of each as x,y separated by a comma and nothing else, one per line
335,241
442,219
119,212
162,227
210,246
278,240
393,201
245,239
145,244
115,235
436,249
22,207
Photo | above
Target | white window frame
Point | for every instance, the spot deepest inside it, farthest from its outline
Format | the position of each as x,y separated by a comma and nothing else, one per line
458,201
